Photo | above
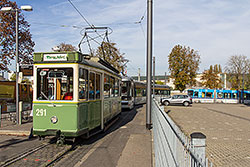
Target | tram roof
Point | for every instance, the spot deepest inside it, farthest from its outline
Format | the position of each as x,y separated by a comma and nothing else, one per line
74,57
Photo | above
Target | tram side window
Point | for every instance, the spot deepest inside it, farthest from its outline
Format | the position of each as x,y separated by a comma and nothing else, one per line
220,95
209,95
112,87
55,83
227,95
202,94
98,86
234,95
106,92
247,96
91,86
190,92
196,94
116,87
138,92
144,92
83,84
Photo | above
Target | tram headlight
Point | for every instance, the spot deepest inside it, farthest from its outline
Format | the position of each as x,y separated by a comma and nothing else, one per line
54,119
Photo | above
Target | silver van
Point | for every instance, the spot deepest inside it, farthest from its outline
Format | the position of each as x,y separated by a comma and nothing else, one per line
177,99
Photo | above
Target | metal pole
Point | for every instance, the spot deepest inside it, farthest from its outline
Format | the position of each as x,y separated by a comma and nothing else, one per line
165,78
154,76
17,71
243,88
139,74
149,64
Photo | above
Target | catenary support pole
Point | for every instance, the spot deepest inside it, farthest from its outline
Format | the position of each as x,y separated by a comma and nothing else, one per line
154,76
17,71
149,64
139,74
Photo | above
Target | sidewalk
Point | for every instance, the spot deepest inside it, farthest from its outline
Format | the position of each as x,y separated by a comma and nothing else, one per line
10,128
138,150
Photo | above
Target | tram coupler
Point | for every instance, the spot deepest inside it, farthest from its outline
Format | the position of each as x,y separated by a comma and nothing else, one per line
60,138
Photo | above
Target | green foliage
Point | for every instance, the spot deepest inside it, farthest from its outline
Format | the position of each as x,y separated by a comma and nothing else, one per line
66,47
110,53
211,78
183,65
8,37
159,83
13,77
24,80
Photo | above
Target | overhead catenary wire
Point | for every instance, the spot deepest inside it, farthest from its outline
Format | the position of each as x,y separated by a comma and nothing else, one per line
91,26
80,13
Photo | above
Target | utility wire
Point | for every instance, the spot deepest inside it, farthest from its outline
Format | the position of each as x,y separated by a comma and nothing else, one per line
91,25
80,14
56,25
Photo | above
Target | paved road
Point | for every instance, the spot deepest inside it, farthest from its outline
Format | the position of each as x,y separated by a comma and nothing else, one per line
10,146
227,127
126,144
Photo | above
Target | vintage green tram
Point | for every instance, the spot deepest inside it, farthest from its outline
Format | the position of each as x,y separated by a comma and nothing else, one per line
73,94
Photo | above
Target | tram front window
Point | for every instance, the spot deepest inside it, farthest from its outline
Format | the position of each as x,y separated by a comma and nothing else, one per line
126,91
55,83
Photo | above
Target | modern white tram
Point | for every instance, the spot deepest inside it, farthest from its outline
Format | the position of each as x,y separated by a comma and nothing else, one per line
134,92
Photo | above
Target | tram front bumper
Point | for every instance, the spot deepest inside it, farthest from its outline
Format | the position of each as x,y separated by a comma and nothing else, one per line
55,132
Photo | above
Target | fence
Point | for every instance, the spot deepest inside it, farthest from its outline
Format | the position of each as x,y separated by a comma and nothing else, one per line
172,147
8,117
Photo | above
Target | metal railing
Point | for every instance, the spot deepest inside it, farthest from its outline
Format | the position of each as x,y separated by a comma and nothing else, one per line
171,146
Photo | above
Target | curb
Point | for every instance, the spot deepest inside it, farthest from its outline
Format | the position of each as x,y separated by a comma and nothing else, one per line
14,133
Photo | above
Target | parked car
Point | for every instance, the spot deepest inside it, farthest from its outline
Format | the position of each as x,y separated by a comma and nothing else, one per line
177,99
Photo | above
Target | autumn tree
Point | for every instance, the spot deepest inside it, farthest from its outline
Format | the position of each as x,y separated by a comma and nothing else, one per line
110,53
237,68
64,47
210,78
8,37
183,65
159,83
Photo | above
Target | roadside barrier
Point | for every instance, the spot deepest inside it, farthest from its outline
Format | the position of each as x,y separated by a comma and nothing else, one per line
172,147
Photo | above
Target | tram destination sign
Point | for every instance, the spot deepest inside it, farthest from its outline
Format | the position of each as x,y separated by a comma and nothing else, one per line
55,57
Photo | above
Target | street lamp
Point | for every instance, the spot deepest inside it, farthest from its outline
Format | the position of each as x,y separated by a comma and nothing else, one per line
9,9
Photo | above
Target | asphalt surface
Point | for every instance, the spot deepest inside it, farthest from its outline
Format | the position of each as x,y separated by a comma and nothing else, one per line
126,143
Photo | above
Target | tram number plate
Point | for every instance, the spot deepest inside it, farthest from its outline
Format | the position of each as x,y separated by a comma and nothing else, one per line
40,112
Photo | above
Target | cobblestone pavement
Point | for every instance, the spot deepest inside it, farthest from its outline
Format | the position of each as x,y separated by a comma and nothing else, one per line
226,126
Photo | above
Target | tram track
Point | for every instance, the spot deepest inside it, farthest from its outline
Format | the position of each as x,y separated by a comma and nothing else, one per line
60,155
37,156
18,157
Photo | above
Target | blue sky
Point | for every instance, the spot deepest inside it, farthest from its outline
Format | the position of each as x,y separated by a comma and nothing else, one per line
216,29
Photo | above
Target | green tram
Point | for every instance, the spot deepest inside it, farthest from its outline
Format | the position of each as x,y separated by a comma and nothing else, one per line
74,95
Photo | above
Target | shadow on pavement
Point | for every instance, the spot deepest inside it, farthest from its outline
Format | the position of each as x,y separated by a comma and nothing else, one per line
125,117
